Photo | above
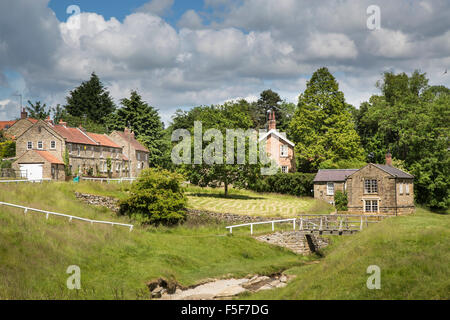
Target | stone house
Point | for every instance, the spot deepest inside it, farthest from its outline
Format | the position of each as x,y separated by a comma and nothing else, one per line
373,189
134,151
278,146
40,151
15,128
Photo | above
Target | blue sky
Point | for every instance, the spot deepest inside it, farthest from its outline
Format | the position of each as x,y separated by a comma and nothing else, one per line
121,8
180,54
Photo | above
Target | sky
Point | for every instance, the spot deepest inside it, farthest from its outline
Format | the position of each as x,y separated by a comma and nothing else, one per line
180,54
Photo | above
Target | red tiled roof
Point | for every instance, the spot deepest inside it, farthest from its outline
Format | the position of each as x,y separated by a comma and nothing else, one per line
74,135
32,120
6,124
49,157
134,143
102,140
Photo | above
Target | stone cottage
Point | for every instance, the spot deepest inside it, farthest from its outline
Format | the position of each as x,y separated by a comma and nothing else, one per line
133,150
41,147
373,189
278,146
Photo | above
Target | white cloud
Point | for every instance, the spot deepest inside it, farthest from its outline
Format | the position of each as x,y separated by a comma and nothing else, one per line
332,45
158,7
190,20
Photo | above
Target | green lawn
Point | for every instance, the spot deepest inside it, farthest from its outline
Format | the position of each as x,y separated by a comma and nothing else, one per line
413,253
251,203
115,263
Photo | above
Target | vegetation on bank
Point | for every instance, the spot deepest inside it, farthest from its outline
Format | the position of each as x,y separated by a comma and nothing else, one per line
115,263
411,251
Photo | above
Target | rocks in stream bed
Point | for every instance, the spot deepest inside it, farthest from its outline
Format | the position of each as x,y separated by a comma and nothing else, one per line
220,289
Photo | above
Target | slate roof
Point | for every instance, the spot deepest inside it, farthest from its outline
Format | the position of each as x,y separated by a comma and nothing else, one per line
333,175
394,171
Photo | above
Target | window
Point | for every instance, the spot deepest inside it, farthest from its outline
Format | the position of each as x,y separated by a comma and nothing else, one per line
138,165
330,189
407,188
284,151
40,145
284,169
371,206
93,152
53,145
370,186
29,145
401,188
101,152
69,147
139,156
78,147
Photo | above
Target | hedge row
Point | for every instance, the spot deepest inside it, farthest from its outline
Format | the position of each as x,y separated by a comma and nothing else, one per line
296,184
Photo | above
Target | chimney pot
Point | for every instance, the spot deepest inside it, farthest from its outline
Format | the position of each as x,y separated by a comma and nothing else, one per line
389,159
272,121
23,114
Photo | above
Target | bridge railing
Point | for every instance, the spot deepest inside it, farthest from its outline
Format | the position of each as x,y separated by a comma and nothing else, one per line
321,222
251,224
48,213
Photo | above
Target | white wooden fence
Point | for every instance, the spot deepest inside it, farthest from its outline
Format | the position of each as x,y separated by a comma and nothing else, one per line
47,213
108,180
23,180
251,224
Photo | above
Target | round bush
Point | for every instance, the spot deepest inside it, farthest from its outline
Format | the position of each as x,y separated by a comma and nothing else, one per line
156,197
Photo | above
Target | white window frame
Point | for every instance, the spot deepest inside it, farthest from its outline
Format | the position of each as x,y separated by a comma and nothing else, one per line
330,188
284,151
370,187
139,156
101,152
53,145
29,145
371,206
407,188
284,169
400,187
40,145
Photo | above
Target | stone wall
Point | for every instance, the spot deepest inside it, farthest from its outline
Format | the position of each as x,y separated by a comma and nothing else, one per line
109,202
296,241
320,191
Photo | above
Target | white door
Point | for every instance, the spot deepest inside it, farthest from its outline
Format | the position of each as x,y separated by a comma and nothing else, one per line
32,171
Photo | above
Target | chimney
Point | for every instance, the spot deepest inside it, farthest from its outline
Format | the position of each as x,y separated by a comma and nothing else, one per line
272,121
132,134
389,159
49,120
23,114
61,122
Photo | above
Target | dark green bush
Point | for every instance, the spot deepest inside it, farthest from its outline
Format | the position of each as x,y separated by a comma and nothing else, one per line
156,197
296,184
341,201
5,164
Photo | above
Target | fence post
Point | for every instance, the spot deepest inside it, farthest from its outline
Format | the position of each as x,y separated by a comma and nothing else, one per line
273,226
362,223
294,224
301,224
251,229
340,225
321,224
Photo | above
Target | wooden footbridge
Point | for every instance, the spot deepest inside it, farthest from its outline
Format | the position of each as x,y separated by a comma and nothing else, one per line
338,224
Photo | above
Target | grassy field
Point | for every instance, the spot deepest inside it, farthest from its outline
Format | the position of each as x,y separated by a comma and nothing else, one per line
115,263
413,253
238,202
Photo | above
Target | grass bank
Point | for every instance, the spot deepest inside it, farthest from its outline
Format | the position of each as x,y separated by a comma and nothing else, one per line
115,263
413,253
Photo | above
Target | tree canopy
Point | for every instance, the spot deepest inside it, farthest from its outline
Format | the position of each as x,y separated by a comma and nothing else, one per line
322,126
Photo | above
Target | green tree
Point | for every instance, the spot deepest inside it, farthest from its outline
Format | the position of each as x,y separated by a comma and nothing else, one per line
411,119
67,167
37,110
322,126
146,123
233,115
156,198
90,100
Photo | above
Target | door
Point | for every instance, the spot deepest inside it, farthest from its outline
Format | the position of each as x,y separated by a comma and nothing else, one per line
32,171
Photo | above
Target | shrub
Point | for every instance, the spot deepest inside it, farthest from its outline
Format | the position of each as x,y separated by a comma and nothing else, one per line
156,197
7,149
5,164
296,184
341,201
